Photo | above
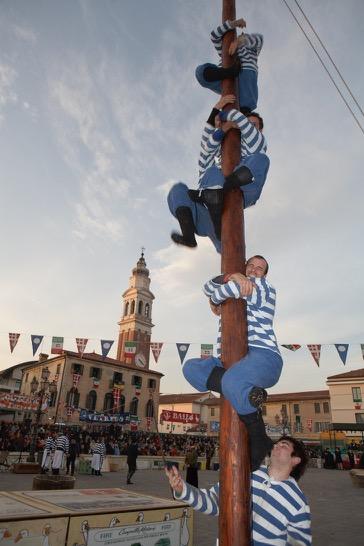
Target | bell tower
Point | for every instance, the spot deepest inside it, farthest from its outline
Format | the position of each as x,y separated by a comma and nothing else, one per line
136,321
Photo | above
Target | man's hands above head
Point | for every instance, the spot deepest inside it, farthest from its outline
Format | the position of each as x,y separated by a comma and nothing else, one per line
175,479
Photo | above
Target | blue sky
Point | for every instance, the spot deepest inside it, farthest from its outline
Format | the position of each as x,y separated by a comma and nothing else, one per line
100,113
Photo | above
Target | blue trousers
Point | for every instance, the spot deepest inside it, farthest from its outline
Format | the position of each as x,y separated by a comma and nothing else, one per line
178,197
258,164
259,368
248,85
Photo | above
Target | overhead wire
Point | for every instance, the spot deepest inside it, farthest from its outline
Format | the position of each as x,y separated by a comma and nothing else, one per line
325,68
329,56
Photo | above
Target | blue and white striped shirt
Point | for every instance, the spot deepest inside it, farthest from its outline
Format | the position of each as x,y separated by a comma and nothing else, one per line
247,52
260,309
49,445
62,443
280,511
252,141
99,448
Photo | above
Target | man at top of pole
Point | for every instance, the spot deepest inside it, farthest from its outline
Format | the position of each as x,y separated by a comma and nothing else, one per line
247,48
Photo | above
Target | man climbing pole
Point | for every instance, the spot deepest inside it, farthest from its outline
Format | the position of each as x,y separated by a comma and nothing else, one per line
244,383
199,212
247,48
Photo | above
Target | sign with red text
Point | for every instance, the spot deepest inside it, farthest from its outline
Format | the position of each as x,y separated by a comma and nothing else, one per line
180,417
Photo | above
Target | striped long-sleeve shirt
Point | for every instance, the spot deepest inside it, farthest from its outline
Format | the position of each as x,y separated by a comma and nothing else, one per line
280,512
62,443
247,52
99,448
260,309
251,141
49,445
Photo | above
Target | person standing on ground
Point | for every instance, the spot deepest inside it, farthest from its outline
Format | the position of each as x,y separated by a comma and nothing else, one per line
47,453
61,449
132,454
74,452
338,459
191,465
98,453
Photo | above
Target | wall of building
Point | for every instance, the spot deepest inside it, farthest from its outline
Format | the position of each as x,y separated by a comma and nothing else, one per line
347,401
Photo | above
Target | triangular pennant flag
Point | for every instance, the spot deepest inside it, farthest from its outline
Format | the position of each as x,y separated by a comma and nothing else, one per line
130,349
315,351
13,340
106,345
292,347
156,348
81,343
57,345
362,349
36,341
182,349
207,350
342,349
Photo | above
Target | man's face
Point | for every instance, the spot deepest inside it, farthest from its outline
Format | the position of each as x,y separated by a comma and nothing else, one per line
255,121
282,454
256,267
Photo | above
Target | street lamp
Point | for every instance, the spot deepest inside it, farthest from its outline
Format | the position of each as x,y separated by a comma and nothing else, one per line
45,387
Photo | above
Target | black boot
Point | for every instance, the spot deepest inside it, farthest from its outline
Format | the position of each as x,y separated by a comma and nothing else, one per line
92,471
214,201
241,177
215,73
257,397
187,238
260,443
213,382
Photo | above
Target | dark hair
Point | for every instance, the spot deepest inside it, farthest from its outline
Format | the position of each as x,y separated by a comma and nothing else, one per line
299,450
259,118
261,258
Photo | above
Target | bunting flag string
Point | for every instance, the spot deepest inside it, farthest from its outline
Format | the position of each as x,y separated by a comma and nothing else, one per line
131,347
156,348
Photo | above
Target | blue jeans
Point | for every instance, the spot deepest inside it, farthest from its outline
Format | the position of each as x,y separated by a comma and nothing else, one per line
259,368
178,197
258,164
248,85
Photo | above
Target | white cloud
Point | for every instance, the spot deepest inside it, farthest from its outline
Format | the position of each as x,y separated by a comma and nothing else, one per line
8,75
25,34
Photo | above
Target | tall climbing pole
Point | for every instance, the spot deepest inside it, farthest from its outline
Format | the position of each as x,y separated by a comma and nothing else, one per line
234,520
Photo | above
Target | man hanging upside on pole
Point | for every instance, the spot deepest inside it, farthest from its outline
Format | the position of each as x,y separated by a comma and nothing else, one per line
244,383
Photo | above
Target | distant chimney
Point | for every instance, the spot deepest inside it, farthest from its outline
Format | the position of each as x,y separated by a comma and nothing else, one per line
43,357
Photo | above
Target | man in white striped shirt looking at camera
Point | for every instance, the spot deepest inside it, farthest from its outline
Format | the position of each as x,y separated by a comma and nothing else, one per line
280,513
244,383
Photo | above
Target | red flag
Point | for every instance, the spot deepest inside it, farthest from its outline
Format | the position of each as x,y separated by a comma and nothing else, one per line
76,378
156,350
13,340
81,343
292,347
315,351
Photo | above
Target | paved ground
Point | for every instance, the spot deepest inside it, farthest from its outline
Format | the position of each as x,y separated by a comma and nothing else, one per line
337,507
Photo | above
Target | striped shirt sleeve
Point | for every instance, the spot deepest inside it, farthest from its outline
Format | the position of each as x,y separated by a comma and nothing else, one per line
210,147
202,500
299,528
217,34
252,139
254,41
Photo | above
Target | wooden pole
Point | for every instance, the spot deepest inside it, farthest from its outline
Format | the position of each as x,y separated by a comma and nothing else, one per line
234,520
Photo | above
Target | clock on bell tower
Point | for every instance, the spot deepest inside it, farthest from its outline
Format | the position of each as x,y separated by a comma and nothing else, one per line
136,321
